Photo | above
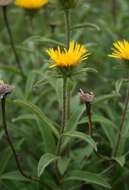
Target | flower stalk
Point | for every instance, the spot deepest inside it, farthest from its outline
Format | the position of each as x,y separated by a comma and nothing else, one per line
11,39
122,123
114,10
120,51
66,95
68,38
62,127
87,99
67,26
88,110
64,115
31,178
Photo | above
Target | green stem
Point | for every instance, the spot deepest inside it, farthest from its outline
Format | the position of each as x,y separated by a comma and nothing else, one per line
114,10
62,127
64,115
122,123
30,14
30,18
89,115
31,178
67,25
88,110
11,39
66,99
68,37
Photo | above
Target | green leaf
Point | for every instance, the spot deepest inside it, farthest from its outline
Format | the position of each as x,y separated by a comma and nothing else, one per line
14,175
106,97
11,69
29,84
107,125
77,111
99,119
44,161
85,70
1,134
119,84
45,125
44,40
6,155
63,164
41,82
81,136
120,160
4,158
88,177
47,138
24,117
36,110
85,25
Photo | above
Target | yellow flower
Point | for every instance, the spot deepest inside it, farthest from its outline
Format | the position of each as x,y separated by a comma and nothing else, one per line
68,58
31,4
120,50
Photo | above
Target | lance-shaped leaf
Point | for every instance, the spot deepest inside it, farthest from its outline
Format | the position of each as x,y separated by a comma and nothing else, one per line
44,161
85,70
85,25
14,175
88,177
45,125
36,110
82,136
120,160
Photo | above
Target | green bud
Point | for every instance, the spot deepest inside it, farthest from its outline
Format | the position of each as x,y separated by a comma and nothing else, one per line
67,4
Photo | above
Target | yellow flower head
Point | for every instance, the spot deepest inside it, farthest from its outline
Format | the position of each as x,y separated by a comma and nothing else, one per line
31,4
68,58
120,50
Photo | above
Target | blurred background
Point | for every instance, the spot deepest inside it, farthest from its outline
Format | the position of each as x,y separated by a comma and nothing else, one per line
100,23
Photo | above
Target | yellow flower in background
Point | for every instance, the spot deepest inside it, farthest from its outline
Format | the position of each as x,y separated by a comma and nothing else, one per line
68,58
31,4
120,50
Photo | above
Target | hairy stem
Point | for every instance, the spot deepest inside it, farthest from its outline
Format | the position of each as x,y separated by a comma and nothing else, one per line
67,26
114,10
62,127
88,110
66,98
68,37
64,115
11,39
122,123
32,178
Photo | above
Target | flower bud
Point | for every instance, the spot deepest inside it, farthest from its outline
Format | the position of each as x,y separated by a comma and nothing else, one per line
5,2
5,89
86,97
67,4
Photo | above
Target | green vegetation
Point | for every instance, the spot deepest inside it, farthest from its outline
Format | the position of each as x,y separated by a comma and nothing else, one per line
49,138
